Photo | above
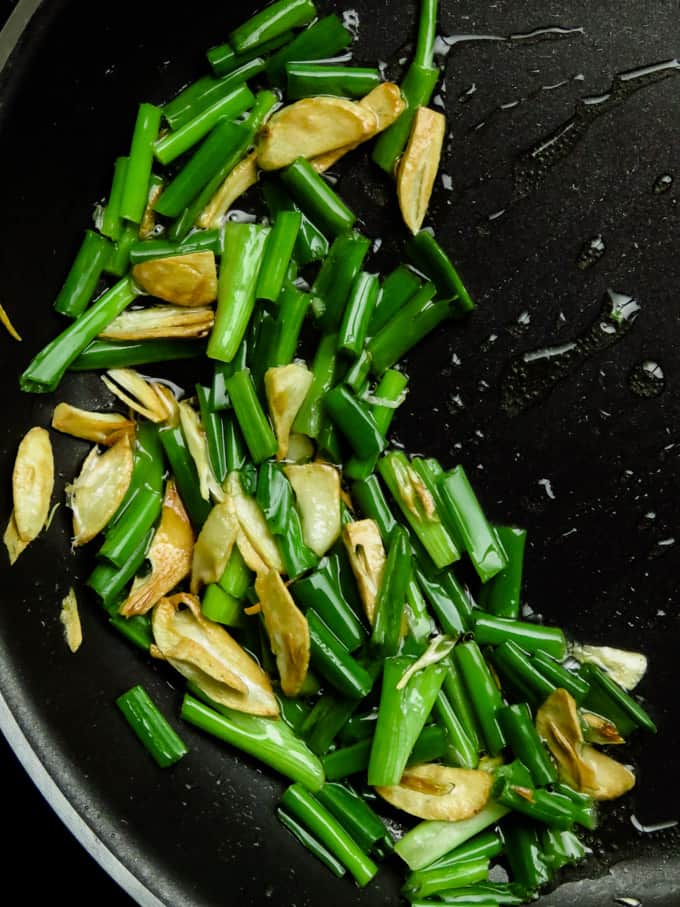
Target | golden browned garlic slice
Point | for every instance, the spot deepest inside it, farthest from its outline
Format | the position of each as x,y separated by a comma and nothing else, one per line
386,102
600,730
169,554
286,387
13,543
213,545
148,223
32,483
97,492
240,179
197,443
580,765
6,322
440,792
188,280
311,127
101,428
139,394
367,558
317,491
70,619
206,654
418,166
159,322
255,540
287,630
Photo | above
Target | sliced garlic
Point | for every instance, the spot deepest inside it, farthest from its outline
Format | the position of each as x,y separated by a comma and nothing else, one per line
101,428
286,387
366,554
213,545
311,127
138,393
440,792
98,491
287,630
626,668
169,554
242,177
418,166
300,448
13,542
194,435
255,539
188,280
161,322
206,654
600,730
317,491
32,483
148,222
70,619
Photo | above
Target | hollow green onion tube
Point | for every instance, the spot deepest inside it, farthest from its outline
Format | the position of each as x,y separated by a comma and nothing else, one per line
359,727
84,275
462,751
220,607
201,241
111,224
314,846
402,714
460,701
560,847
118,261
501,595
323,824
605,691
329,444
183,469
336,276
414,320
275,19
352,759
452,619
513,788
136,630
584,807
109,581
492,630
278,254
308,420
431,881
420,625
151,727
483,693
391,597
213,426
317,199
250,416
389,393
397,288
46,370
355,421
523,740
516,667
237,456
418,509
427,32
560,676
368,496
205,92
105,354
324,721
466,517
321,592
333,662
219,398
147,467
430,840
140,516
320,41
429,257
416,89
173,144
354,814
244,246
293,307
140,160
486,845
358,310
270,741
483,894
236,577
275,497
357,375
310,245
224,60
308,80
523,852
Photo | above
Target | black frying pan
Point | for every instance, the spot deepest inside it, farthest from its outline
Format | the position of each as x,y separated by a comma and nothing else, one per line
580,448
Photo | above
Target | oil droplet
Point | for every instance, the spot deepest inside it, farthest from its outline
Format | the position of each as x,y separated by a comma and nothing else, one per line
591,252
663,183
646,379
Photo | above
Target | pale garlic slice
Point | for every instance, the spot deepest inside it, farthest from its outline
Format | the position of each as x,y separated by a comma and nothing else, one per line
98,491
580,765
286,387
625,667
194,435
387,103
255,540
311,127
187,280
417,169
170,556
240,179
213,545
101,428
439,792
161,322
366,554
205,653
135,391
300,448
287,629
13,543
70,620
32,483
317,491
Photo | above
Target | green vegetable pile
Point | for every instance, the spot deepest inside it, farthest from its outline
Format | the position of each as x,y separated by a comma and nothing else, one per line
343,612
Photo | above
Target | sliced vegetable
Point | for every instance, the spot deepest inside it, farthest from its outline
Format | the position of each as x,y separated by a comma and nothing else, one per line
367,558
287,630
286,387
440,792
240,179
70,620
139,394
161,322
98,491
101,428
418,166
317,491
32,483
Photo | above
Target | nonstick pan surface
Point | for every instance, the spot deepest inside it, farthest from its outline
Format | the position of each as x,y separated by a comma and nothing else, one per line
567,421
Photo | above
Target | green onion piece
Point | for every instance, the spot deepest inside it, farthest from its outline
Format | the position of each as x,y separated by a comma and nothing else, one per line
109,581
237,577
111,221
313,845
307,808
560,847
269,740
250,416
105,354
308,80
501,595
317,199
355,421
118,262
151,727
451,618
468,521
277,502
416,88
333,662
352,759
278,254
523,740
336,276
223,58
486,845
462,751
522,673
136,629
140,160
523,852
360,304
200,241
389,392
605,690
186,476
205,92
391,597
401,717
492,630
311,245
308,419
483,693
458,697
276,19
47,368
293,306
420,624
83,277
325,721
213,426
561,677
320,41
220,607
432,881
397,288
429,257
321,591
354,814
370,500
